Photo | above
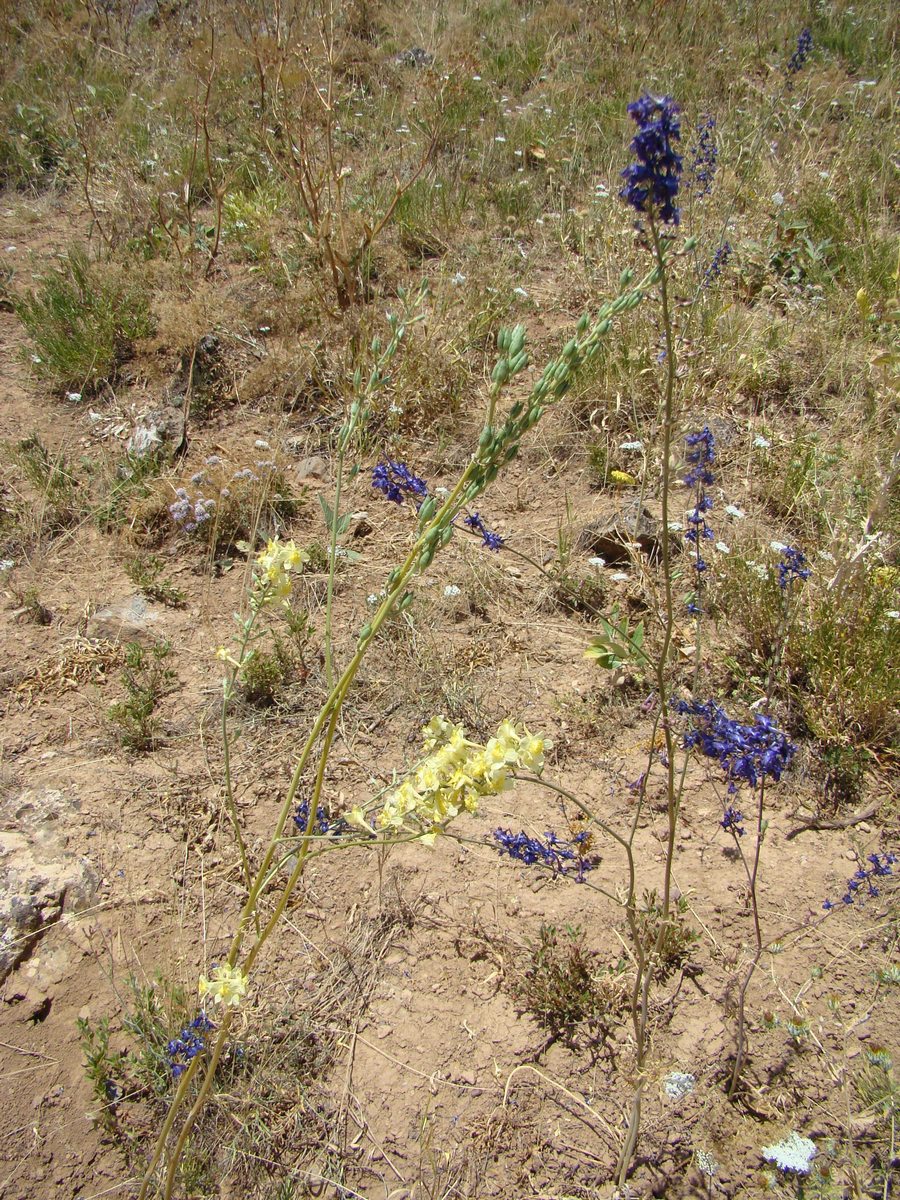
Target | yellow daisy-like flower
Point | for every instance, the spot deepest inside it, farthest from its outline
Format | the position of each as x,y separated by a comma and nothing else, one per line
227,985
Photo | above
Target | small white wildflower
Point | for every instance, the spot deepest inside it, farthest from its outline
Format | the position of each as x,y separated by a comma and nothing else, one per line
36,358
499,138
827,555
10,249
620,577
707,1163
73,397
458,279
261,444
678,1084
778,547
7,564
521,293
793,1153
675,527
395,409
451,590
638,446
597,561
476,79
441,493
777,199
722,548
893,613
761,443
734,511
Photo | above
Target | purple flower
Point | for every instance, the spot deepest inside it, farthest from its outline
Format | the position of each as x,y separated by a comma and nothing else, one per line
718,264
801,54
746,753
792,567
651,183
733,821
397,482
493,541
704,155
562,857
861,883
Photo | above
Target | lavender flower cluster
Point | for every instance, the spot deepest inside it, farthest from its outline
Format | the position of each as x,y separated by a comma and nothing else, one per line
860,884
651,183
189,1043
746,753
398,483
190,514
562,856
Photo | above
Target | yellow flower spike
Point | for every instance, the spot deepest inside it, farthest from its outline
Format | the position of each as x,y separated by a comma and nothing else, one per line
622,479
227,985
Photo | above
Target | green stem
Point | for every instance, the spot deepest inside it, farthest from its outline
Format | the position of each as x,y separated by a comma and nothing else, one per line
332,566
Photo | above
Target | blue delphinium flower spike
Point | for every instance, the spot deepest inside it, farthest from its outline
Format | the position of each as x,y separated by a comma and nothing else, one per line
801,54
651,183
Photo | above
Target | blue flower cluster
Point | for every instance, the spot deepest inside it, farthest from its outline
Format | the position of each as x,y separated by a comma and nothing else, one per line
322,824
397,482
733,821
704,156
651,184
493,541
801,54
718,264
701,454
189,1043
562,856
746,753
879,866
792,567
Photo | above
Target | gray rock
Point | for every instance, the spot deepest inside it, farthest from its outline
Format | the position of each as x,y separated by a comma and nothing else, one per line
312,470
414,57
160,429
613,538
38,884
129,620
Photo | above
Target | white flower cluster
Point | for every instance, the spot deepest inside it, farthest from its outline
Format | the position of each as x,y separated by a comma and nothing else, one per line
793,1153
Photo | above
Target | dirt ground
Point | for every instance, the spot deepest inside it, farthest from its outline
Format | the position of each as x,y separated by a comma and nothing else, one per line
399,973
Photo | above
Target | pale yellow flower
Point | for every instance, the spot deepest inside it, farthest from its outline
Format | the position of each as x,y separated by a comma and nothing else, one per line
227,985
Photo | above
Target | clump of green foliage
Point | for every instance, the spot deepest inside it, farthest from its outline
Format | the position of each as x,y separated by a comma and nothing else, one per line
83,321
563,989
146,678
53,480
146,572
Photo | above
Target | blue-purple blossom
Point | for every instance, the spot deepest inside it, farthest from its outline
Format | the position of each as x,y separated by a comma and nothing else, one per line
746,753
322,824
493,541
718,264
861,882
189,1043
792,567
733,821
188,513
801,54
701,454
562,856
704,156
397,482
651,183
